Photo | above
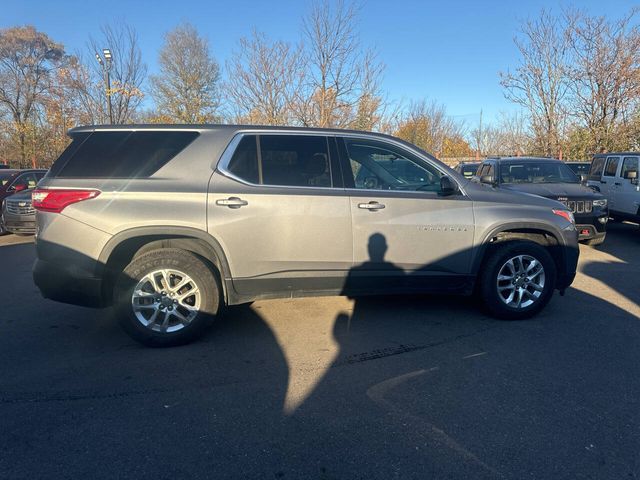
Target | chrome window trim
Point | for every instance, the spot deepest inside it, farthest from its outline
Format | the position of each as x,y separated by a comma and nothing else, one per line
225,158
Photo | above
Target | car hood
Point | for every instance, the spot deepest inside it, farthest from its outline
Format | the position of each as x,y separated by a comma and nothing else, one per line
485,193
23,195
553,190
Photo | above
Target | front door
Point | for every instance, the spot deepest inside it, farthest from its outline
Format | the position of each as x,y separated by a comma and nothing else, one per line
406,235
627,191
279,216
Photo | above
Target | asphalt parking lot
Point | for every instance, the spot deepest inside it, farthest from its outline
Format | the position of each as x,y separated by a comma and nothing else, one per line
330,388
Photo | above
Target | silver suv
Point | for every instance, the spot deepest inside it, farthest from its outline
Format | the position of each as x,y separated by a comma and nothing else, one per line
170,223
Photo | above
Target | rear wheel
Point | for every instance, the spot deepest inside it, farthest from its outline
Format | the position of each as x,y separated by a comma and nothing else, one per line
517,280
167,297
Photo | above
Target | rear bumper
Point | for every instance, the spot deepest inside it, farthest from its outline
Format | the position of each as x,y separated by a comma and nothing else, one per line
62,284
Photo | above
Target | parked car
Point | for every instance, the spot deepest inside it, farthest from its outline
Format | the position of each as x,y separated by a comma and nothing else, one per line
615,175
14,181
551,178
170,223
467,169
4,166
579,168
18,215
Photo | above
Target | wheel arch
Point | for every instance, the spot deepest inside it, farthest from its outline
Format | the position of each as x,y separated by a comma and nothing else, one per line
124,246
541,234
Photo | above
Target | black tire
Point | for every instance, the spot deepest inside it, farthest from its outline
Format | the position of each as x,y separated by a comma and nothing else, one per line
497,258
594,242
200,274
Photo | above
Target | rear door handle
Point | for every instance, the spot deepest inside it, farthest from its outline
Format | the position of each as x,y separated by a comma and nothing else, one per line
602,181
232,202
371,206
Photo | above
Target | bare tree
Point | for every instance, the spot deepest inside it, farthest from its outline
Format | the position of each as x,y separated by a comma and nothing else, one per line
186,90
540,82
605,76
264,80
27,59
337,69
128,73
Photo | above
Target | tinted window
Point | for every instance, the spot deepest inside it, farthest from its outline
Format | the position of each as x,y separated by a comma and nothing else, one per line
536,172
381,166
5,178
295,160
629,164
596,168
120,154
611,167
244,163
469,170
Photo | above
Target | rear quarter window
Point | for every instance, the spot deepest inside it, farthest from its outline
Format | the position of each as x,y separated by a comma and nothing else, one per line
120,154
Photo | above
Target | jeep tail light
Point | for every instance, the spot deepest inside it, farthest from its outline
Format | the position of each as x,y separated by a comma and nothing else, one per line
55,200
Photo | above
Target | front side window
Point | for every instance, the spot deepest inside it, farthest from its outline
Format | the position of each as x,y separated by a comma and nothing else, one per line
377,165
596,168
28,179
282,160
612,167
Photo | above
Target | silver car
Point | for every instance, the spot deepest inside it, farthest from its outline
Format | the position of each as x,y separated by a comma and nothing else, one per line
615,175
168,224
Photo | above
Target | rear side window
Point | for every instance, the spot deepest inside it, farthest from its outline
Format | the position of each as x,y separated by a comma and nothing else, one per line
629,164
611,167
282,160
595,172
120,154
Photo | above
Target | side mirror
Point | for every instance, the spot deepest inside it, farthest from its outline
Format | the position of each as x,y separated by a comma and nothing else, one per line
447,187
631,175
488,179
19,187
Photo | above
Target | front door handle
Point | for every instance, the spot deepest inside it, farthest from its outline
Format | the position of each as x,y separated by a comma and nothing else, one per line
371,206
617,183
232,202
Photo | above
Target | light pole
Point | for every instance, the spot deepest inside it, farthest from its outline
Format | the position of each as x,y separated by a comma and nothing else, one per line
106,68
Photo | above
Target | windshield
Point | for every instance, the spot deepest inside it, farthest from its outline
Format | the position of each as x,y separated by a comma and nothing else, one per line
536,172
5,178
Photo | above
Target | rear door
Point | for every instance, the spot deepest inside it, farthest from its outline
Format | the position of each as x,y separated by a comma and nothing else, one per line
277,206
406,235
627,191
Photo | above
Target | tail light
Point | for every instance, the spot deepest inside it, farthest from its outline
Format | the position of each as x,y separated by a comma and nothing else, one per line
56,200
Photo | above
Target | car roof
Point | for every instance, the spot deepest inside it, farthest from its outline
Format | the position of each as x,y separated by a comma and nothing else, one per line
608,154
524,159
229,127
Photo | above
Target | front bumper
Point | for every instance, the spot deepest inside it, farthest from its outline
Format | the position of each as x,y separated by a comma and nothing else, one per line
567,259
592,226
64,284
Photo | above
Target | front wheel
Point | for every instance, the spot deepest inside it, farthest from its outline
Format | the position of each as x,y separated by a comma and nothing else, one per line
167,297
517,279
